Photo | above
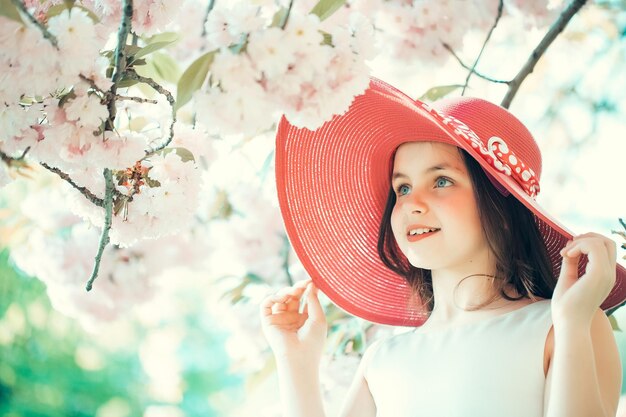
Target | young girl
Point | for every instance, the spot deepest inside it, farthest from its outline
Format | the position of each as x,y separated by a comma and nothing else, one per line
425,217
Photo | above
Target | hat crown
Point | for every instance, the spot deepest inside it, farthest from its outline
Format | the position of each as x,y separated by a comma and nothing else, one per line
487,120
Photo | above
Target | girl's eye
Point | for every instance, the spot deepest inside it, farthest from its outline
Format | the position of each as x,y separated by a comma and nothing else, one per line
403,189
441,182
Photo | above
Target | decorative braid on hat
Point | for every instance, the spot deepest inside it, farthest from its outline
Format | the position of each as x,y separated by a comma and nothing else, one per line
497,153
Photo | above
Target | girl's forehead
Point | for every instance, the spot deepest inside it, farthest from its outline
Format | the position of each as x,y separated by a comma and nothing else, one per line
426,152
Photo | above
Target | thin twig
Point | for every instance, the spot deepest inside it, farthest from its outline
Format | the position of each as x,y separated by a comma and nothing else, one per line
83,190
170,98
137,99
283,23
10,159
19,158
469,74
108,214
286,248
91,83
46,34
467,67
206,17
556,28
120,59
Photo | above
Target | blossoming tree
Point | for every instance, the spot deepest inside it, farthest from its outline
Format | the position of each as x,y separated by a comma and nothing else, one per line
144,129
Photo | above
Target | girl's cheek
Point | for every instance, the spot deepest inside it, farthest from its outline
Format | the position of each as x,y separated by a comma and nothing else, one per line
395,220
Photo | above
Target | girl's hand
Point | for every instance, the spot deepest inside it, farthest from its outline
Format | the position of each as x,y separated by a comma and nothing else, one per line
291,332
576,300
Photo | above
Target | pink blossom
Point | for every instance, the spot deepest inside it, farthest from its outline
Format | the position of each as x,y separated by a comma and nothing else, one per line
77,57
87,111
270,54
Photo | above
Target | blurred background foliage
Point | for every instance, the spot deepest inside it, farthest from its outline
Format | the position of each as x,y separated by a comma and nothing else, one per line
50,366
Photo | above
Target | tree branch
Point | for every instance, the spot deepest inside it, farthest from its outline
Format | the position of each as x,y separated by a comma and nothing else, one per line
92,84
120,59
170,98
473,69
83,190
285,19
46,34
136,99
108,214
206,17
556,28
286,248
467,67
11,159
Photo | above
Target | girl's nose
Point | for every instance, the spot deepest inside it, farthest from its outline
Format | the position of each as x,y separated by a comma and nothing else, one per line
417,205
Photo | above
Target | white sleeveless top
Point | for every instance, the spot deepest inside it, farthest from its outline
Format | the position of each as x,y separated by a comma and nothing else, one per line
489,368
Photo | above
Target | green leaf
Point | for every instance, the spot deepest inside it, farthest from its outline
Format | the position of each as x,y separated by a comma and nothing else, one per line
60,8
328,38
131,50
126,82
8,10
151,183
357,343
325,8
278,17
183,153
435,93
240,46
151,48
64,98
266,165
118,204
614,324
165,67
193,78
170,37
253,278
137,62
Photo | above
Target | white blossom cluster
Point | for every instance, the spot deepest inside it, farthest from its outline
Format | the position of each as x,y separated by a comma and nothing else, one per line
50,109
291,71
415,31
59,249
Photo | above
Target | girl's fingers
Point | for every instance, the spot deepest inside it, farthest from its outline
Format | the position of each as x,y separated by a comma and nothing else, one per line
286,299
599,255
286,319
314,307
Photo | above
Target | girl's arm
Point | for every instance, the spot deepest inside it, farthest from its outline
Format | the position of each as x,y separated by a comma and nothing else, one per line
298,380
296,336
301,396
297,340
585,374
584,377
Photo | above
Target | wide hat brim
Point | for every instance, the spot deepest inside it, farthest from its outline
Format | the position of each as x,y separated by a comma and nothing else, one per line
332,187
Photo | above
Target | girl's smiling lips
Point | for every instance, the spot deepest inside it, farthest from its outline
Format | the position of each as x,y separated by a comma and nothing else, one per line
416,237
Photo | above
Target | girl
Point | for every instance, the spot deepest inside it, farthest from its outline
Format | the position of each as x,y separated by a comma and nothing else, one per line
409,215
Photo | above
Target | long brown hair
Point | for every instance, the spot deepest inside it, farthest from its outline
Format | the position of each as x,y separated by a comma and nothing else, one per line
522,260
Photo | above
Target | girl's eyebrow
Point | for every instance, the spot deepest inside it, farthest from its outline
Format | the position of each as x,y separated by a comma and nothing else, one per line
439,167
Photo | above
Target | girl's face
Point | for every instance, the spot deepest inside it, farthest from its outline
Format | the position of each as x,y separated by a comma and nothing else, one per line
434,191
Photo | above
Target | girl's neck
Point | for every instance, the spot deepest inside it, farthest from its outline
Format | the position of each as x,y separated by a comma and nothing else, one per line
455,296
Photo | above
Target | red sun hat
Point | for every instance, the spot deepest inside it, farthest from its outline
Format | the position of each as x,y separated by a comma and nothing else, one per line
333,184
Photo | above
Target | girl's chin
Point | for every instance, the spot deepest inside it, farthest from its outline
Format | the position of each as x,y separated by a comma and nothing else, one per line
421,263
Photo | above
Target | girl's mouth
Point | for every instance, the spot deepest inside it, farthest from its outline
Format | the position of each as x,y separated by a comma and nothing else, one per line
416,237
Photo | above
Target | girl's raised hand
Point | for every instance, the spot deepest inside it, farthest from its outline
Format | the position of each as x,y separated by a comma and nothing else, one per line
577,299
290,330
